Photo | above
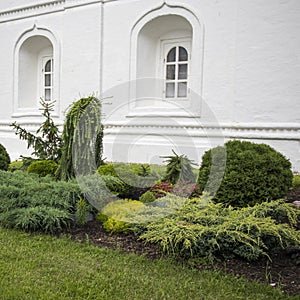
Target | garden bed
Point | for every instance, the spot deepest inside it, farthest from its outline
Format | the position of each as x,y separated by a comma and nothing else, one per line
282,271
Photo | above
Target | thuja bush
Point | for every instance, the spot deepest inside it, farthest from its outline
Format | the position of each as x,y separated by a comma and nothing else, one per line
200,230
296,182
4,158
30,202
43,167
254,173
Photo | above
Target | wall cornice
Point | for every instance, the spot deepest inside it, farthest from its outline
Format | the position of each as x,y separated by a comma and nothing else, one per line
31,10
42,8
282,131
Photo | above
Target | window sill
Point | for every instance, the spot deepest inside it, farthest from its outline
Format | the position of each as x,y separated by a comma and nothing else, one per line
155,112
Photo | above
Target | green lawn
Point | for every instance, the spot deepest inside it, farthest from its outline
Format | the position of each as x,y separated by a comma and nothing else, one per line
43,267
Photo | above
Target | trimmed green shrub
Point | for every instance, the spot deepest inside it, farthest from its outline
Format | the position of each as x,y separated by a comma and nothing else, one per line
4,158
296,182
147,197
16,165
254,173
43,167
200,230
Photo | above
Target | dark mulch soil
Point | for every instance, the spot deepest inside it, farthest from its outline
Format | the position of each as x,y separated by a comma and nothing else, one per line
282,271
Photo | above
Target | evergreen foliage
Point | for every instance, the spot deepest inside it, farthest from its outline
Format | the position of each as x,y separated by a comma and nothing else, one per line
81,139
136,178
4,158
34,203
82,210
179,168
147,197
296,182
43,167
254,173
200,230
113,215
47,141
16,165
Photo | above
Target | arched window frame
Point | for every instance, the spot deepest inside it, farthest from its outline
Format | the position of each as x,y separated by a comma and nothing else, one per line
34,111
196,60
46,77
174,82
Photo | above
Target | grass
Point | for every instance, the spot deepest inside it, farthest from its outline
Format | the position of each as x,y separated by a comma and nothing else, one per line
43,267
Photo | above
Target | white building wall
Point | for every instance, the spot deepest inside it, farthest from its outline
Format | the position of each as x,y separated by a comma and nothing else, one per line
246,72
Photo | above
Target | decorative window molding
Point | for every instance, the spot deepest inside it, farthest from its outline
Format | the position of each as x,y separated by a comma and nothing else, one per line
164,23
29,72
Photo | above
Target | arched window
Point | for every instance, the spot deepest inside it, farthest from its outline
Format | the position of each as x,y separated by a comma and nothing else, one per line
35,72
176,72
47,74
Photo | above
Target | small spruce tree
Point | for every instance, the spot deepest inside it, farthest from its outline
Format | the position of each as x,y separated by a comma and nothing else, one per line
47,141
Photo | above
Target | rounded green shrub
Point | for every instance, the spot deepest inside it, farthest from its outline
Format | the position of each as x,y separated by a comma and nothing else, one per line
43,167
4,158
296,182
15,166
254,173
107,169
147,197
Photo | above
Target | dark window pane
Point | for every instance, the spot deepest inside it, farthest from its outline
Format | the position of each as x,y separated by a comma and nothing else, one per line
171,55
170,90
183,55
182,90
48,66
182,71
47,80
170,72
